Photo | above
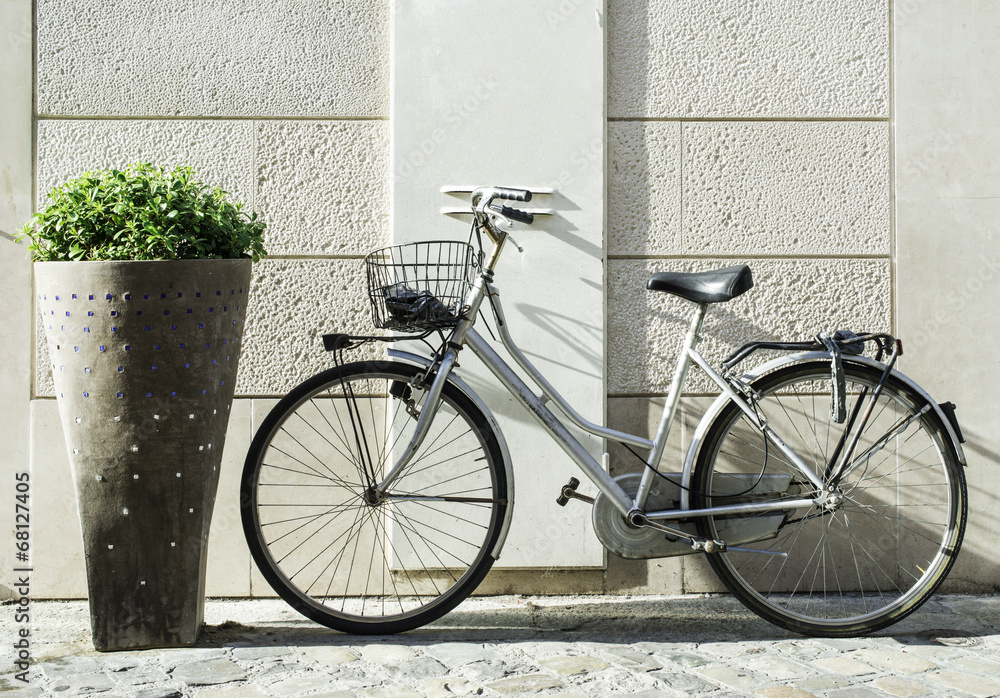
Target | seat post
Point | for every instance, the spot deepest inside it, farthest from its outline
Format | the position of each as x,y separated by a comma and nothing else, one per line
673,400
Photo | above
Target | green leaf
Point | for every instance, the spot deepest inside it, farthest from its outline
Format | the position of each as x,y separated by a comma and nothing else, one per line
141,212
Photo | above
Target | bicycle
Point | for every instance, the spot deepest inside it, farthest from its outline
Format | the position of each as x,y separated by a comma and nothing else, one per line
825,487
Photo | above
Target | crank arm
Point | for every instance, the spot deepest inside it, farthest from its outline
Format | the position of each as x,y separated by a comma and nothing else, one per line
701,544
637,518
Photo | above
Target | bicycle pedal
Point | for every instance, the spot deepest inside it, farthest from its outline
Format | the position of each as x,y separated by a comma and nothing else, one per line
569,492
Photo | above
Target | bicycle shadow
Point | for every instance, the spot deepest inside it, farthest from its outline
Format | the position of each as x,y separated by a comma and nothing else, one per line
701,619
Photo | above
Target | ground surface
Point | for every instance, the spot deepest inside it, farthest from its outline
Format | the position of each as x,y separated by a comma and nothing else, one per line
573,646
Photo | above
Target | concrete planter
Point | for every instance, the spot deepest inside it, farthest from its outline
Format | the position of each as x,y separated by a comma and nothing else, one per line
144,356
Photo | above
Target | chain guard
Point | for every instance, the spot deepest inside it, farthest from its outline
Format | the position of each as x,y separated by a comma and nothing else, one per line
640,543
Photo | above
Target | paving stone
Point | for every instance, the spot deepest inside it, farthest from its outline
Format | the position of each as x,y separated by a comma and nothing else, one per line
977,663
532,683
208,673
897,661
570,666
297,685
822,683
784,692
419,668
82,684
492,670
728,676
333,694
329,655
389,692
231,692
446,687
158,692
778,667
901,687
854,692
15,692
686,660
250,654
142,675
455,654
976,685
120,663
631,659
68,666
798,648
385,654
844,666
686,683
174,658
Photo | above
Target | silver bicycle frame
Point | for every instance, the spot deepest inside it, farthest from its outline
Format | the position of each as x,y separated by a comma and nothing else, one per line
464,335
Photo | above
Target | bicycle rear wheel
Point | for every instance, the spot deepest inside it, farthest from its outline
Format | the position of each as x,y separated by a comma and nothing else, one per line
883,542
339,554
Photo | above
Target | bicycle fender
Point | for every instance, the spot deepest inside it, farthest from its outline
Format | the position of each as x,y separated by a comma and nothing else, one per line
478,401
757,371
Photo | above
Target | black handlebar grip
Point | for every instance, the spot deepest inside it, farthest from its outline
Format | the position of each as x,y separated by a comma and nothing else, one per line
513,194
513,214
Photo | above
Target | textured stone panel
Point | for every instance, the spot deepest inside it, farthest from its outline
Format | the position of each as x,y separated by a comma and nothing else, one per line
324,187
221,152
296,302
793,299
786,188
693,58
644,187
238,58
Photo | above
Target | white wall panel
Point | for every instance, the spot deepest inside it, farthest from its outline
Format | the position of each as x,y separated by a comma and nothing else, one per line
519,103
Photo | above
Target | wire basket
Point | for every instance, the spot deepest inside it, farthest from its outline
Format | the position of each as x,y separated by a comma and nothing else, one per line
420,286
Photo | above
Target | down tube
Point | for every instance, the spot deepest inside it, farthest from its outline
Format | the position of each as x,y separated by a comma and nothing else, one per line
517,387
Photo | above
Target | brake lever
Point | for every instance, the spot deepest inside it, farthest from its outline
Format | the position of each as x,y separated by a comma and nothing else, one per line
510,224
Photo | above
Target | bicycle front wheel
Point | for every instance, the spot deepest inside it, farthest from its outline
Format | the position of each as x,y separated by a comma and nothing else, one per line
881,541
337,551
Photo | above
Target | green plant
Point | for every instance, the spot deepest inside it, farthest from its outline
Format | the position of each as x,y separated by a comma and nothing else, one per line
142,212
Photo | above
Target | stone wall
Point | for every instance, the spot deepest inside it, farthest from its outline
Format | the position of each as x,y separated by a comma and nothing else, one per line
285,105
736,132
739,132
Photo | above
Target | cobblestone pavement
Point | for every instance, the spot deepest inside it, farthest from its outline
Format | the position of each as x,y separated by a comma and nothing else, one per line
570,646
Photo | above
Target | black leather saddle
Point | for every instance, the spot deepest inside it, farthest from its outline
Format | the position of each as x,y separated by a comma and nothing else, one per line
706,286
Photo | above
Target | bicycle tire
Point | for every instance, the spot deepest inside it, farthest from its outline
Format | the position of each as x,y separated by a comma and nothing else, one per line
363,566
850,569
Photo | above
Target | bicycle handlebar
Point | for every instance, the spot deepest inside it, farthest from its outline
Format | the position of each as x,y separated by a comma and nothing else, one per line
513,194
513,213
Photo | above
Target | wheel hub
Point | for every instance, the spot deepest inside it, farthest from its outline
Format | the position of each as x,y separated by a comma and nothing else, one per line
832,500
